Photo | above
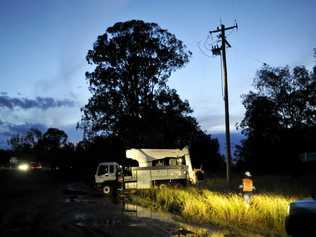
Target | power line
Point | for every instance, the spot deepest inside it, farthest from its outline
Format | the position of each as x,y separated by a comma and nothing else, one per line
201,50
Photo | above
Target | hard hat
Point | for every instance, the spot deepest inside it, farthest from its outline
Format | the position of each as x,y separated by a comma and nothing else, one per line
247,173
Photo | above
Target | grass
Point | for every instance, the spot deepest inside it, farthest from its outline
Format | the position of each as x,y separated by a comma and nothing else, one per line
215,203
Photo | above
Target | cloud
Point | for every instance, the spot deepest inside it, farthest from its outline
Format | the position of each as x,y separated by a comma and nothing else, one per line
19,114
43,103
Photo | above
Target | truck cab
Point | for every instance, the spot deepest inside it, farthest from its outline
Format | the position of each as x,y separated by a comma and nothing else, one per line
108,177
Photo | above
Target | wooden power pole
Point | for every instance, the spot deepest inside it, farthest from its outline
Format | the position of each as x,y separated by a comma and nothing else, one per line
221,50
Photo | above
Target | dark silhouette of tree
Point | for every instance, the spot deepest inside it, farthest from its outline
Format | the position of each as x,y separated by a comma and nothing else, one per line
53,146
130,96
17,143
261,127
204,153
5,156
33,136
280,118
54,139
292,92
25,143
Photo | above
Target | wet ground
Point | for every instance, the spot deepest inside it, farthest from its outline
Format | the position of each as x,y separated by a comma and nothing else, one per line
45,204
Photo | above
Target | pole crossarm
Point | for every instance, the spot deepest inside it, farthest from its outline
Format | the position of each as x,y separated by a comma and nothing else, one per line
219,29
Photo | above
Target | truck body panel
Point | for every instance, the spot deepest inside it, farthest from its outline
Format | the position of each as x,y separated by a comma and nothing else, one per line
147,177
148,157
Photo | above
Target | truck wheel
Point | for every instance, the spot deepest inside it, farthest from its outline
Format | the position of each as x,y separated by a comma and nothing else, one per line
107,190
162,186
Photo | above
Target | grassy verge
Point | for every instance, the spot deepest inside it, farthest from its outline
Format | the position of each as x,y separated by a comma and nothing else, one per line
265,215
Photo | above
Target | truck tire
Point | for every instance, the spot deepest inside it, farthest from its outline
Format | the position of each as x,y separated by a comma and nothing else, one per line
107,189
163,186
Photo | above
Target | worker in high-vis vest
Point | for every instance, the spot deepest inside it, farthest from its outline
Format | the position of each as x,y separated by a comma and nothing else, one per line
247,187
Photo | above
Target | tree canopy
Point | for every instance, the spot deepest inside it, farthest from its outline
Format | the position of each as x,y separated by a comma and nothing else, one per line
130,97
25,142
53,139
280,118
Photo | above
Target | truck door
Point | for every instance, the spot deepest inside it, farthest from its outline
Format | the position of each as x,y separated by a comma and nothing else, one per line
112,172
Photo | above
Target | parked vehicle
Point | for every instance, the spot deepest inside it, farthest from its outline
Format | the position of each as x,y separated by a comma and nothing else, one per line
109,177
301,218
157,167
35,165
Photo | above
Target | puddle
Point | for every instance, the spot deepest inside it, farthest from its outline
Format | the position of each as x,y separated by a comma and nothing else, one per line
180,229
70,191
80,219
76,189
77,193
142,212
78,199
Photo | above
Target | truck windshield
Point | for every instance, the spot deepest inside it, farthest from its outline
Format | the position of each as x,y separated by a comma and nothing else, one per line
103,169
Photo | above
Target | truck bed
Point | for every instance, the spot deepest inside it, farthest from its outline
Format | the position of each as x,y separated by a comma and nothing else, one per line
143,177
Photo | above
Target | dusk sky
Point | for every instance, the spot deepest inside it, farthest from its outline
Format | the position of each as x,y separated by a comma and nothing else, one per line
44,44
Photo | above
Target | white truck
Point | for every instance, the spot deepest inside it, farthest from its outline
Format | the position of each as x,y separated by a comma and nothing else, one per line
157,167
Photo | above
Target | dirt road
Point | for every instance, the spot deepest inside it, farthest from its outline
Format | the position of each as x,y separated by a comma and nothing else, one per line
45,204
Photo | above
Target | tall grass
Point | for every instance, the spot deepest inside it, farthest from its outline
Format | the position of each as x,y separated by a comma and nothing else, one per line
265,214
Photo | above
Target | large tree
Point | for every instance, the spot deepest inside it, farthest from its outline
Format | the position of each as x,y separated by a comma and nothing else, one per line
292,91
25,143
280,118
54,149
130,97
54,139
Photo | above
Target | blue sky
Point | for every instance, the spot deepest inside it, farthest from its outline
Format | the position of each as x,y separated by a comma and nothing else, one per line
43,46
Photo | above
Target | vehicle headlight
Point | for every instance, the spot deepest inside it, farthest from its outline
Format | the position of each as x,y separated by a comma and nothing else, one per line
23,167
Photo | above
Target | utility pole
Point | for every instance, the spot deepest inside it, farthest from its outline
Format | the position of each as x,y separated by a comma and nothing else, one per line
221,50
